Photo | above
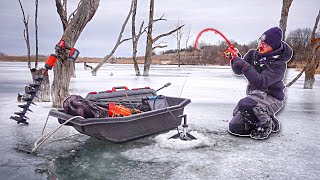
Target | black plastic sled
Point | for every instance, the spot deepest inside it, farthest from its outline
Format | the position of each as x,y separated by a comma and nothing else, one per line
163,116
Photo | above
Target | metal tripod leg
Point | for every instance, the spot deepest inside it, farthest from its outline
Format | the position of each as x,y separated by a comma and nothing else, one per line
184,135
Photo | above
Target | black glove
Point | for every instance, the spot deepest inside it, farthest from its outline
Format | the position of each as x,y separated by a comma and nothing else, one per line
239,62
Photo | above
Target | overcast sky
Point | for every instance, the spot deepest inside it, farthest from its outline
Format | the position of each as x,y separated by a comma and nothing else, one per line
240,20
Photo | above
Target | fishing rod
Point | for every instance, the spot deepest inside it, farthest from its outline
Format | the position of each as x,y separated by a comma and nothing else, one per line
229,53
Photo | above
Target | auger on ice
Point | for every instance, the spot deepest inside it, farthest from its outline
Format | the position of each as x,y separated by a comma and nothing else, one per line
34,88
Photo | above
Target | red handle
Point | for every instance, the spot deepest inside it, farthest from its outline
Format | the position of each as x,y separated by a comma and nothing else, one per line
119,87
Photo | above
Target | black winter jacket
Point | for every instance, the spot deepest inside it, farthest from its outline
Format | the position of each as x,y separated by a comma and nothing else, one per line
266,72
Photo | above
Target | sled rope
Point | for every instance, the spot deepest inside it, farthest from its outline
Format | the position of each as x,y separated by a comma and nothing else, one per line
43,138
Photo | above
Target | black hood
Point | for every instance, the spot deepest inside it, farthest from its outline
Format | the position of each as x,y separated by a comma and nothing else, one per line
284,53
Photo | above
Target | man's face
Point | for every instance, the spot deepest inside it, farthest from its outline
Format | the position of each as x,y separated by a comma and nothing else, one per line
263,47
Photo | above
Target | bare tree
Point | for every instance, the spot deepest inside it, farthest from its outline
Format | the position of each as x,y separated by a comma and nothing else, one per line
151,41
188,37
119,41
82,15
43,94
311,64
284,16
135,38
63,14
178,36
299,40
36,29
26,33
62,11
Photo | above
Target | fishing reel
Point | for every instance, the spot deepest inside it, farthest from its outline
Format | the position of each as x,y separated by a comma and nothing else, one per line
231,52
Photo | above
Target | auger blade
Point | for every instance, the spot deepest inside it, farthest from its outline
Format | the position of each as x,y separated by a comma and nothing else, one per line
39,79
25,117
19,120
34,85
27,99
24,122
16,118
31,92
23,106
20,113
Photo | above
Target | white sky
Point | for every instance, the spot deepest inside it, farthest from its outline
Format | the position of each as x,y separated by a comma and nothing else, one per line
240,20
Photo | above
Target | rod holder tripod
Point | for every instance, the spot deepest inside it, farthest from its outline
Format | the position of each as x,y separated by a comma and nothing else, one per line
184,135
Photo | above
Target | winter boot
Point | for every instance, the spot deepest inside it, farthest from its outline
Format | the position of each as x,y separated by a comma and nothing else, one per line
249,116
261,131
275,124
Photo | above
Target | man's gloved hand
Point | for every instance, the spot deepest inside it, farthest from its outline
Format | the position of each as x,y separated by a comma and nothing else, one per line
234,51
239,62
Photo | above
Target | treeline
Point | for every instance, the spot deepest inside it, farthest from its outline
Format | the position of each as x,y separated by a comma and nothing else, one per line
298,39
3,54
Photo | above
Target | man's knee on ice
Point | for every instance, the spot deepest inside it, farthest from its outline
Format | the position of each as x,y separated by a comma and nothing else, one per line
239,126
245,106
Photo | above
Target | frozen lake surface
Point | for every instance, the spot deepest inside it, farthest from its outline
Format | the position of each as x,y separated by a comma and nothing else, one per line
293,153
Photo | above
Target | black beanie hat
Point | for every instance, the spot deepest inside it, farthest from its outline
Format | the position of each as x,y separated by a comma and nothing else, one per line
272,37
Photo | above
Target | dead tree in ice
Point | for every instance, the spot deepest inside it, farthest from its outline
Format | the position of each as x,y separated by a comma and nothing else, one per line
72,29
135,37
119,41
284,16
26,33
43,95
178,35
151,41
312,63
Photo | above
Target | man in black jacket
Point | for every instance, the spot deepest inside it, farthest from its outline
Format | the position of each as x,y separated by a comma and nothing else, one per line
264,69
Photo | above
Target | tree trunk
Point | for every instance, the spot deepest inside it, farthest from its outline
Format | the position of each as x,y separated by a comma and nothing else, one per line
312,65
309,76
36,29
61,70
62,11
284,16
179,37
61,81
135,38
26,33
43,95
149,48
73,70
178,49
135,62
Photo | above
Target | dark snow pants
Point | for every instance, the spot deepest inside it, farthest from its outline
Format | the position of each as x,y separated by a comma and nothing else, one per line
258,107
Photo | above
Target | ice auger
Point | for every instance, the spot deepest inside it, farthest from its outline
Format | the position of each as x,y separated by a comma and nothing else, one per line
34,88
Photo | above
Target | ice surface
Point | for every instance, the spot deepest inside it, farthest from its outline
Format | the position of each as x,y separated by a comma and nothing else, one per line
293,153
